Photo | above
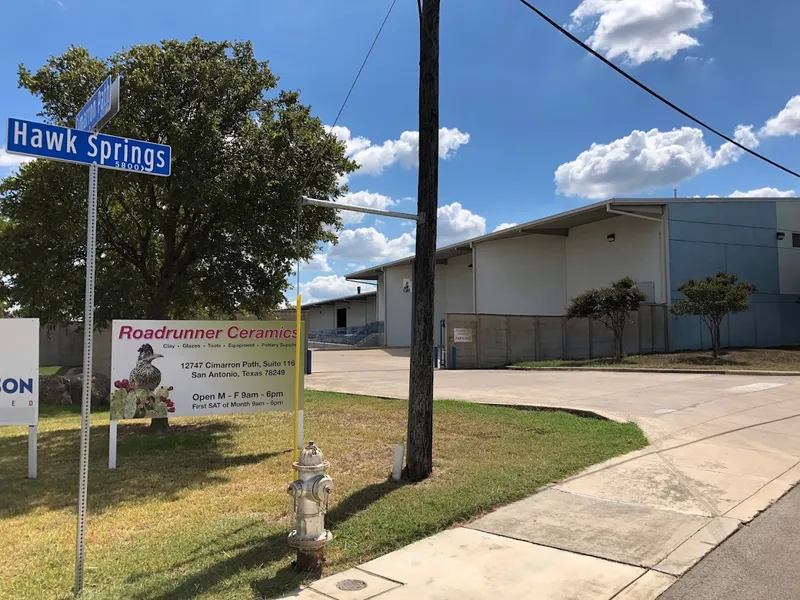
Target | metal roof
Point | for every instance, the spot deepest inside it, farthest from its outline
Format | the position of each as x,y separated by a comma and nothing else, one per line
558,224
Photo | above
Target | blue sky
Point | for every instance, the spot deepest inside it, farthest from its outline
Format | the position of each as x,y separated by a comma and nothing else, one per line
534,125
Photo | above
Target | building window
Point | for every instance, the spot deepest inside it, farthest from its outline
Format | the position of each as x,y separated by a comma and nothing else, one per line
796,240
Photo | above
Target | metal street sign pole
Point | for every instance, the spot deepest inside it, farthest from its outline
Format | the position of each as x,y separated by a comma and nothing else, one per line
88,335
84,145
100,109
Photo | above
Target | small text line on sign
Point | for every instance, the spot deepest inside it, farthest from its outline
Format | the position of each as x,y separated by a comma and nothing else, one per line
462,336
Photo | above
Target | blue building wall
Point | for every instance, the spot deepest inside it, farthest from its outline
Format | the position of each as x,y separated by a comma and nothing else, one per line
737,237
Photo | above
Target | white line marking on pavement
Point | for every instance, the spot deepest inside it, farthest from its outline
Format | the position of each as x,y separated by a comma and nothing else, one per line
753,387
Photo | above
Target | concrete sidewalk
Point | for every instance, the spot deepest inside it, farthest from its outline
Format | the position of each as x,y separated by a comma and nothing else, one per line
722,449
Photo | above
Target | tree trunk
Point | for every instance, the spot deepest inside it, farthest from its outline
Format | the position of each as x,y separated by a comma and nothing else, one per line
419,457
159,312
159,425
619,341
715,340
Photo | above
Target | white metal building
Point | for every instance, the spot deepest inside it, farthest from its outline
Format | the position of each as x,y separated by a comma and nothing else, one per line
338,313
536,268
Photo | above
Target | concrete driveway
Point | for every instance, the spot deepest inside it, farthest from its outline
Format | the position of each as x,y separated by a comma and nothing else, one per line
723,448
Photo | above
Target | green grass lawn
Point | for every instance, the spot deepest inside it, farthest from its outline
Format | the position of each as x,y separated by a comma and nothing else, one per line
204,513
768,359
48,370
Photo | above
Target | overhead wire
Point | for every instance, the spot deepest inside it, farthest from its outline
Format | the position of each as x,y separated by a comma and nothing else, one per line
315,158
655,94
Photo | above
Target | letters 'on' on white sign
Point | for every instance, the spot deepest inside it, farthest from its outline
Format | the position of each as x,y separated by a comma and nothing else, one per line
463,336
193,368
19,371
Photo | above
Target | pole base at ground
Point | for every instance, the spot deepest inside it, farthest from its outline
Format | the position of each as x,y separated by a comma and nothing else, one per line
310,560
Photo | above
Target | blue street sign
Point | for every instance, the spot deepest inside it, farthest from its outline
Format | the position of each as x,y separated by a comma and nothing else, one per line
101,107
83,147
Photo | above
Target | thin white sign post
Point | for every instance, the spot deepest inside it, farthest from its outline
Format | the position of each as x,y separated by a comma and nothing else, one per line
19,380
33,440
85,145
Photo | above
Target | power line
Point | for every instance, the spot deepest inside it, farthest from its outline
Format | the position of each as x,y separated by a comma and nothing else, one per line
352,87
653,93
315,159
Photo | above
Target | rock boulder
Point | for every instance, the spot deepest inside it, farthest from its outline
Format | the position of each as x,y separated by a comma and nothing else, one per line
101,386
54,389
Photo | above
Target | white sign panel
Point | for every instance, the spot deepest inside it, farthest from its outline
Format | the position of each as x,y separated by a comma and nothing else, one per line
19,371
192,368
406,286
463,336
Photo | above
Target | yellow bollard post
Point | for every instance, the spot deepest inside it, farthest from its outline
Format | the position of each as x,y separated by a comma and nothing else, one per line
297,442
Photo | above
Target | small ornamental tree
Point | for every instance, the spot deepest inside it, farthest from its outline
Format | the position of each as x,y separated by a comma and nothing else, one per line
611,306
712,299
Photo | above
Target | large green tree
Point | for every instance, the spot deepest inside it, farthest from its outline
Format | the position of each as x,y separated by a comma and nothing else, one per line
217,237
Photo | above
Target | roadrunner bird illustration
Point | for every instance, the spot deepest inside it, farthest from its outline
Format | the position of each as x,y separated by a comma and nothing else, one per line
145,375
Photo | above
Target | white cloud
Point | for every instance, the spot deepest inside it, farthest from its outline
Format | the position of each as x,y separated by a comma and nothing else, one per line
729,152
373,159
365,199
352,144
318,262
456,223
786,122
503,226
12,160
325,287
645,160
641,30
765,192
370,245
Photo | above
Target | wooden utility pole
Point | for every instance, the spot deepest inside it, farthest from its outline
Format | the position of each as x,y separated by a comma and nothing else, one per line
419,457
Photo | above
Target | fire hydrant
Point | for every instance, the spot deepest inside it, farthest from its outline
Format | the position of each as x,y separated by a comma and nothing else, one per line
311,492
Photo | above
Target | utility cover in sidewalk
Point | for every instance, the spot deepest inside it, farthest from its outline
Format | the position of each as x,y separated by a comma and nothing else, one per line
351,585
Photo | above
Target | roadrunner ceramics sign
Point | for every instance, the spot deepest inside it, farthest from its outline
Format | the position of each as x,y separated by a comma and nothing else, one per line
192,368
19,371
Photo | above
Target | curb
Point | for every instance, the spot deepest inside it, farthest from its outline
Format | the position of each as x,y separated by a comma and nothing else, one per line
577,411
654,370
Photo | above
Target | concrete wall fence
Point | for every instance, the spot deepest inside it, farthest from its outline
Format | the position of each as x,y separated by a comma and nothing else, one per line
501,340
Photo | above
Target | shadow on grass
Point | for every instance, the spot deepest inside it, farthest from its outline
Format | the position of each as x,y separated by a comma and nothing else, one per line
260,553
710,361
149,466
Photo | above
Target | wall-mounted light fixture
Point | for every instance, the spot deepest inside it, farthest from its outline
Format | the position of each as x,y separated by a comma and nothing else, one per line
781,235
611,237
469,266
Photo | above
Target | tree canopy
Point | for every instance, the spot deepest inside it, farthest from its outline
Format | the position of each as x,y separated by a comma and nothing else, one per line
217,237
712,299
611,306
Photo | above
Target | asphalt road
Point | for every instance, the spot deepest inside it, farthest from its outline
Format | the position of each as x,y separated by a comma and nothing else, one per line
761,561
